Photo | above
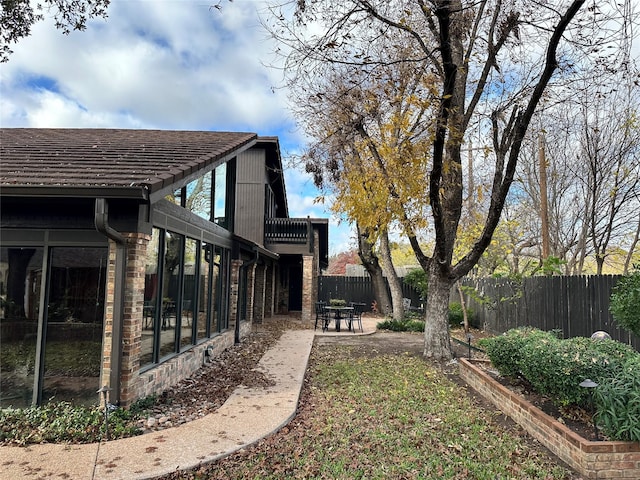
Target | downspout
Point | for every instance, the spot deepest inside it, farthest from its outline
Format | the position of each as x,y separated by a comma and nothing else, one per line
101,221
241,278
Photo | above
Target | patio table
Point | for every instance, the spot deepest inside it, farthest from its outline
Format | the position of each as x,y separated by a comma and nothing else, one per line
337,316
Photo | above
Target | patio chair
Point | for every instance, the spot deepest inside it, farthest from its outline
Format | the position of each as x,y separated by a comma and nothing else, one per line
355,316
322,315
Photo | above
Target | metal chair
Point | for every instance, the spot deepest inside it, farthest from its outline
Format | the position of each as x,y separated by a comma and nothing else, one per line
322,314
355,316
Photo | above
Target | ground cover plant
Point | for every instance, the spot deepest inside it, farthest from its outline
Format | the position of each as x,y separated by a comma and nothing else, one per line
369,414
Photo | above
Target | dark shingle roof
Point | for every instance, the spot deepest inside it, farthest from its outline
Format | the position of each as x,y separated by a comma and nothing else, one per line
85,160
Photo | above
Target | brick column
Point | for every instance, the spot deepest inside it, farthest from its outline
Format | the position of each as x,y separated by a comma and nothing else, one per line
259,293
126,329
307,288
269,291
233,293
107,334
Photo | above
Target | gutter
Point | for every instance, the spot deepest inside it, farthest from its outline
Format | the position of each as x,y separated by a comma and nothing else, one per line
101,221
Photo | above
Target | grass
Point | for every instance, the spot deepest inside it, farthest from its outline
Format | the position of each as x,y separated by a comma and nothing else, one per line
380,417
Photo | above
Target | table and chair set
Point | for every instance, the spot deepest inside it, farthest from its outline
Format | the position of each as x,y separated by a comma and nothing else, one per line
351,314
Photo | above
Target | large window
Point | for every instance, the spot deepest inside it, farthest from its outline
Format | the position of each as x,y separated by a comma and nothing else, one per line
189,296
220,196
75,318
20,288
151,298
184,295
171,287
71,340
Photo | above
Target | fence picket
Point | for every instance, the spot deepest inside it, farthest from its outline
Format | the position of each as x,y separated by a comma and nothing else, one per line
577,305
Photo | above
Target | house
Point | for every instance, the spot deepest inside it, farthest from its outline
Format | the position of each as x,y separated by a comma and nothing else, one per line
130,257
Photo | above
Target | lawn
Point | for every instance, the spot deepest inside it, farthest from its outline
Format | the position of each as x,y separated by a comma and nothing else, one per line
366,415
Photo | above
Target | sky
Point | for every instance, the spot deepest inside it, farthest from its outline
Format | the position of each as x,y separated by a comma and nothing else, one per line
163,64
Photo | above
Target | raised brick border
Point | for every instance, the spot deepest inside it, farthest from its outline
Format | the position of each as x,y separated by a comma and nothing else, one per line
597,460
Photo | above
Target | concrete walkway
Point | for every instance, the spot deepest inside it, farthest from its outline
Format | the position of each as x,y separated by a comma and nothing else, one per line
247,416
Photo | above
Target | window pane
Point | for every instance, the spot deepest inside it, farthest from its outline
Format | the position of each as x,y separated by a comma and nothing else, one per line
219,209
199,196
170,292
204,303
189,292
222,271
73,342
20,284
151,289
215,291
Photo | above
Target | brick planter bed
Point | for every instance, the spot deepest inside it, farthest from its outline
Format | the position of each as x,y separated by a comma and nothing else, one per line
610,460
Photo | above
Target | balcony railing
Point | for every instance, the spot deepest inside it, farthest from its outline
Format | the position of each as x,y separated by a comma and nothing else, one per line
288,230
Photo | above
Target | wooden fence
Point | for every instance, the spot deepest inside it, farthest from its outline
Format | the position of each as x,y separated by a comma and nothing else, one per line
577,305
358,289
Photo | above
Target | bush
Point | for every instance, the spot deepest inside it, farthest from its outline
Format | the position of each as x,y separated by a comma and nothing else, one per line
417,278
505,351
456,315
617,401
556,368
625,302
407,324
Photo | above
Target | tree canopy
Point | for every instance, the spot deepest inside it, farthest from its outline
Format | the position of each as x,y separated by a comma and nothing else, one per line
485,68
18,16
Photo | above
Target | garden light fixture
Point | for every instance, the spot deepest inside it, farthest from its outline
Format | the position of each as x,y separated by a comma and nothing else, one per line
590,384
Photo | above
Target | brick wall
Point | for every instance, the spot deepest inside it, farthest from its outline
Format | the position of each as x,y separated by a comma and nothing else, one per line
107,336
132,313
307,289
597,460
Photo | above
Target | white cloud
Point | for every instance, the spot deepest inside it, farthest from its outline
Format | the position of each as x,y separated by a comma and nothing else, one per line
170,65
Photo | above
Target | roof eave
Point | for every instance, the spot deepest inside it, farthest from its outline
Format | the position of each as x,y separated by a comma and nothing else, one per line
52,191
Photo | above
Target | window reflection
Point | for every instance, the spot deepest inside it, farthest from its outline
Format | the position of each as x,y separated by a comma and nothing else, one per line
151,288
20,286
205,284
170,292
220,196
199,196
189,298
75,318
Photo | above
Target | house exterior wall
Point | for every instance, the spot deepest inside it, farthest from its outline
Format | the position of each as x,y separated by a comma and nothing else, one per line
250,192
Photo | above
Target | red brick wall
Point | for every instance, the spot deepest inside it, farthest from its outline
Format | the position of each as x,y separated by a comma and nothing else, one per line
610,460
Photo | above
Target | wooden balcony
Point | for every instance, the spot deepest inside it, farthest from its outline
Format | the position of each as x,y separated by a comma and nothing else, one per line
289,235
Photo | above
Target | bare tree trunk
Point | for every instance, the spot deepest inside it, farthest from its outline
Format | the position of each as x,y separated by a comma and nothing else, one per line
465,317
437,341
372,266
392,277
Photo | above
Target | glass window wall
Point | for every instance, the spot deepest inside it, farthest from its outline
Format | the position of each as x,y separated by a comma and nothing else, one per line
20,289
75,319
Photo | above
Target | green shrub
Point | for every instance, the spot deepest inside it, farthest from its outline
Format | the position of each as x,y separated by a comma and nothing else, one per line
625,302
456,315
407,324
556,368
417,278
617,401
337,302
505,351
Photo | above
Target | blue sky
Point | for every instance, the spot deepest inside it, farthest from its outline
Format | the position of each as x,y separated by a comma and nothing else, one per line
162,64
